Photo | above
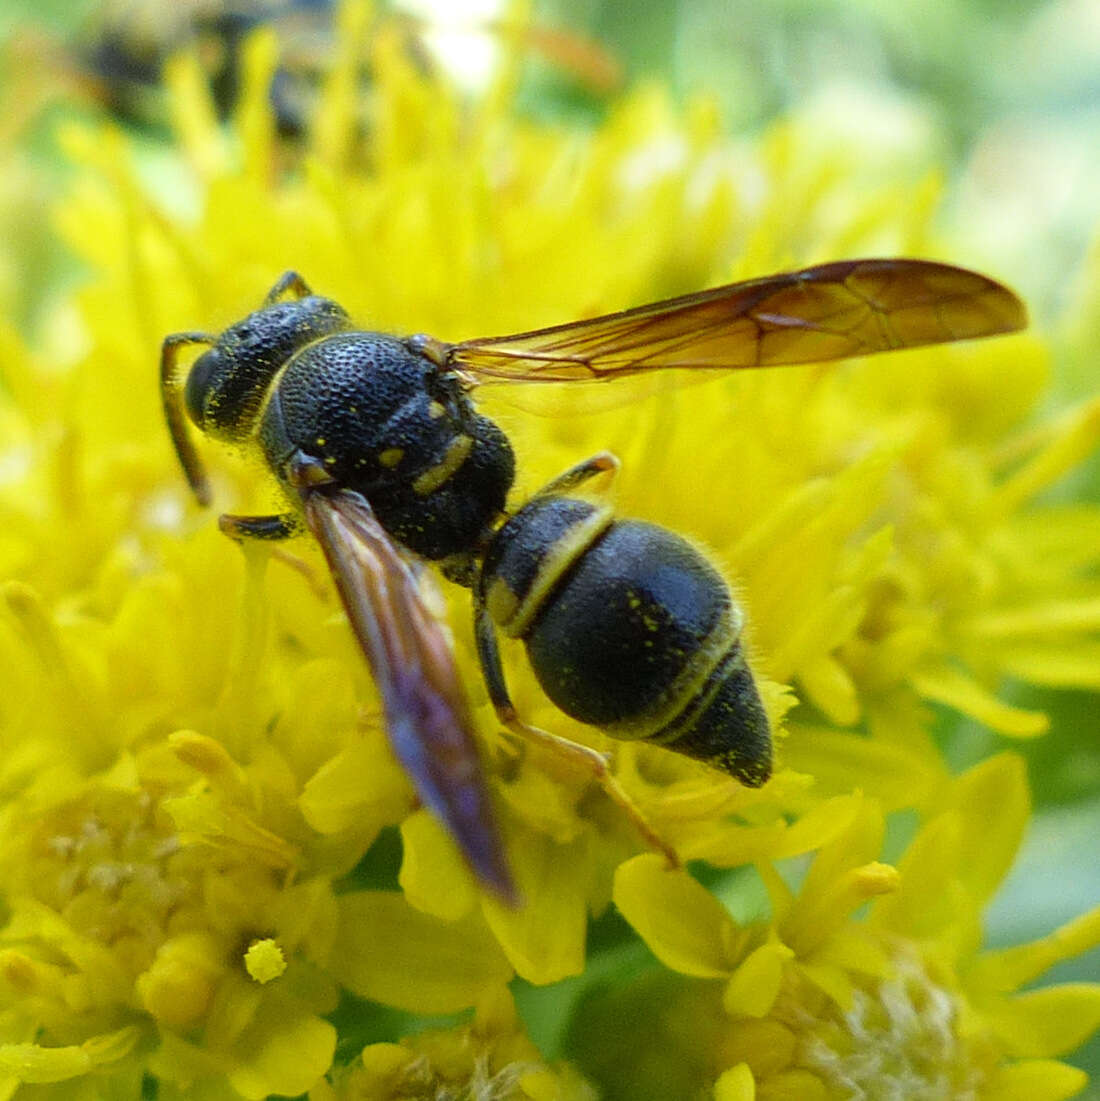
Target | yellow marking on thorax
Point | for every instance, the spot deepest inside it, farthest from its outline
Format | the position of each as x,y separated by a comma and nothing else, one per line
391,457
435,476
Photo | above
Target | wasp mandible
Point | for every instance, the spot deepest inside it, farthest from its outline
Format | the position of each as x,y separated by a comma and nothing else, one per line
383,457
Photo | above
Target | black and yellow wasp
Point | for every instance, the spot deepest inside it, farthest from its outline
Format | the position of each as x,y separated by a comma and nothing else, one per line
383,457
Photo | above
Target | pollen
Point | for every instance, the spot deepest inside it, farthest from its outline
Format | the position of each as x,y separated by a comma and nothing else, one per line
264,960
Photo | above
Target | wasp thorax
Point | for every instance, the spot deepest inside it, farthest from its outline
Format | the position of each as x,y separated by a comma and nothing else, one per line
382,420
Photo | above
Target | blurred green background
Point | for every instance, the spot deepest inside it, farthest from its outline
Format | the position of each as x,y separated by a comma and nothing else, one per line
1003,95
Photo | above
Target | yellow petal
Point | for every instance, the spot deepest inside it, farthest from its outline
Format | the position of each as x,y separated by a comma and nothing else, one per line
305,916
433,875
754,986
335,126
384,1061
928,899
952,688
335,797
254,117
111,1046
1073,664
735,1084
177,987
282,1052
209,757
1008,969
993,807
780,895
683,924
1034,1080
323,1091
205,817
233,1009
893,772
835,982
819,826
1051,1021
854,949
181,1062
1054,618
830,879
732,845
389,952
34,1063
545,938
765,1044
195,118
545,804
828,685
1076,439
793,1085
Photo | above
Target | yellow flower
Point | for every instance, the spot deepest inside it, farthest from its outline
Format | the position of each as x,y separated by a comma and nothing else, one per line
195,772
490,1059
818,1004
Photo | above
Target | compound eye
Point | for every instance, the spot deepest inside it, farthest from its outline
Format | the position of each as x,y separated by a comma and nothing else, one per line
205,372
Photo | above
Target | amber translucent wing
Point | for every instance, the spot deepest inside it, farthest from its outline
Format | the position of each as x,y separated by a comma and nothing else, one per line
847,308
427,719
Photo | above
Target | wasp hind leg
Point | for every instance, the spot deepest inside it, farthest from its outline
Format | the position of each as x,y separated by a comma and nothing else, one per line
588,759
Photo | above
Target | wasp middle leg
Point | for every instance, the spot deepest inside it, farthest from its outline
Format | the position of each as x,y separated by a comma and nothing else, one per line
585,757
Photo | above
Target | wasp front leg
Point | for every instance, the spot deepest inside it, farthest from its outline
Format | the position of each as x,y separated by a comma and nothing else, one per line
171,392
582,756
283,525
273,529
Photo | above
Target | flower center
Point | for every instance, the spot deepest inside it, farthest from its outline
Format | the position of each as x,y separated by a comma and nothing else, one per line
898,1041
109,863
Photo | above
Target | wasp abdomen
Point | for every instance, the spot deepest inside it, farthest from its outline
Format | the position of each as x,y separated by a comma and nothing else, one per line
629,628
638,615
725,723
532,552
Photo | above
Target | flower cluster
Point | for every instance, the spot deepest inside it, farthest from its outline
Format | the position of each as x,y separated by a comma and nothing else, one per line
199,807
